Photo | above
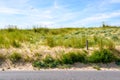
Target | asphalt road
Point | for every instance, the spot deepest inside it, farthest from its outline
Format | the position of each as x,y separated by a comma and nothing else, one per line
60,75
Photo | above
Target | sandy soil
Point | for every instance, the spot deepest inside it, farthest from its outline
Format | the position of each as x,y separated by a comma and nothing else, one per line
76,66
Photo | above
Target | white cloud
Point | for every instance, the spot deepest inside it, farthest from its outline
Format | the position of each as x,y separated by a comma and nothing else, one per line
55,5
98,18
6,10
115,1
45,23
46,16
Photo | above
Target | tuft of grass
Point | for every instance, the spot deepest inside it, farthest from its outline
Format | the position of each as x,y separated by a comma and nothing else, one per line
96,67
37,56
16,44
64,66
27,58
50,41
101,56
115,37
110,45
15,57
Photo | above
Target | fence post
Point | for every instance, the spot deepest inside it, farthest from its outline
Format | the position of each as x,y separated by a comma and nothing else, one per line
87,44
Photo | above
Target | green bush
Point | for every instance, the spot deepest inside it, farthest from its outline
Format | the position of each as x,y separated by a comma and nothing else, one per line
72,57
39,64
12,28
48,59
15,57
117,61
47,62
40,30
101,56
98,56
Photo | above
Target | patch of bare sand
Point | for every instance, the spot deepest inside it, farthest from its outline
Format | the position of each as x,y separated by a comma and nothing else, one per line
76,66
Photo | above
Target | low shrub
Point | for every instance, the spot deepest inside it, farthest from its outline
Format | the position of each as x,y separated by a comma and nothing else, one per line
39,64
48,59
40,30
12,28
15,57
72,57
117,62
47,62
101,56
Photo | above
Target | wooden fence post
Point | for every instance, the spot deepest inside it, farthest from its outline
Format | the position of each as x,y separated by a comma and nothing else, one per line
87,44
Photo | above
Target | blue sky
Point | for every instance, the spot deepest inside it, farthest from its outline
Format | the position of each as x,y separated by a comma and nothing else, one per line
59,13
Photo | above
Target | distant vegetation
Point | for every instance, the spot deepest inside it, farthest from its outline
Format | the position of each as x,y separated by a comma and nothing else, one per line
104,39
68,37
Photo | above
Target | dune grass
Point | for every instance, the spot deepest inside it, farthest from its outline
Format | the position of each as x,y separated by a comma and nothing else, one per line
101,56
67,37
105,39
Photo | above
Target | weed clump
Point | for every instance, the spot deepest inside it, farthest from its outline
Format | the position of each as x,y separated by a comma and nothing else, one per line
101,56
16,44
117,60
15,57
47,62
72,57
40,30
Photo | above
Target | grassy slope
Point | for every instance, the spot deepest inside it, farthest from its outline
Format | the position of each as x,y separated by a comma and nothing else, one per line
100,38
68,37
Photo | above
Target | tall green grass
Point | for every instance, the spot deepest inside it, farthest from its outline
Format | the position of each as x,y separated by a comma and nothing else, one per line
67,37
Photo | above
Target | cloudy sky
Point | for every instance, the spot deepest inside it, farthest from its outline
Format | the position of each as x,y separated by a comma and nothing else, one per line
59,13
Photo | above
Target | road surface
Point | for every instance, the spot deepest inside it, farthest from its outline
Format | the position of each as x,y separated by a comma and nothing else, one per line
60,75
